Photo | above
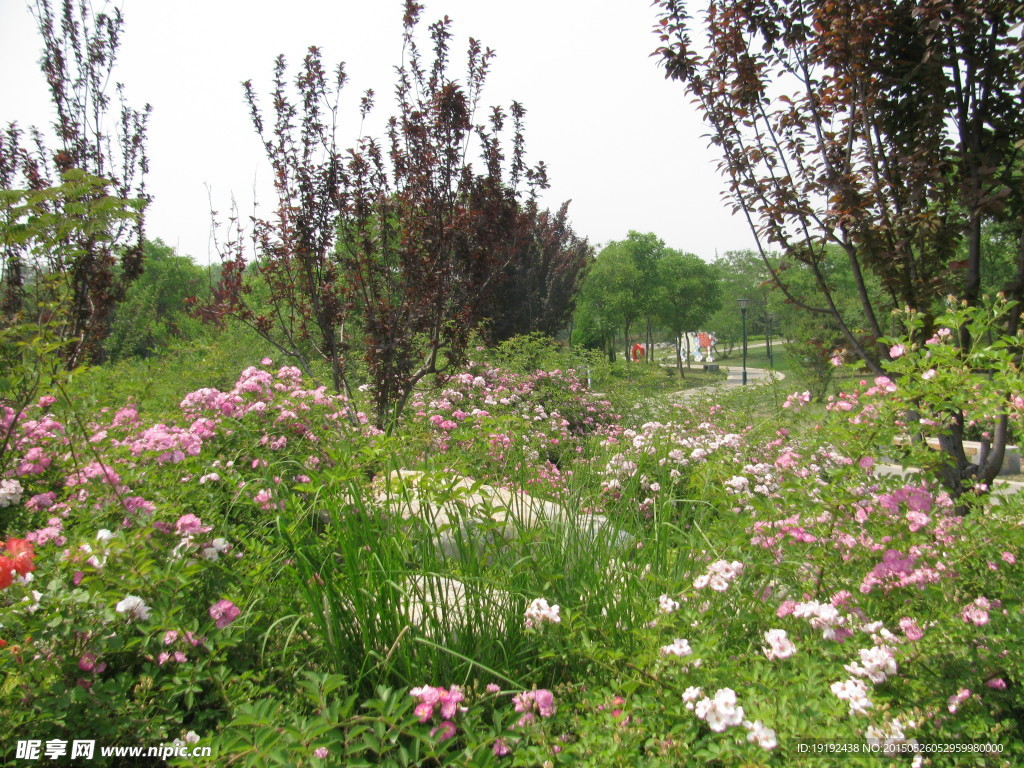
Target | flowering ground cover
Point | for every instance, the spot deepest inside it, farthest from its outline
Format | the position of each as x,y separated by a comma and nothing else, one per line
232,574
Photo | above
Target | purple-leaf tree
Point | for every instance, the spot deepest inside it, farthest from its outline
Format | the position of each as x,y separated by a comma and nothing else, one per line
394,247
892,131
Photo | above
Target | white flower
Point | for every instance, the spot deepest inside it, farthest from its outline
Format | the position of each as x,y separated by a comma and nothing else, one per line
539,612
679,647
762,735
690,695
34,600
134,607
103,536
721,712
10,492
779,644
667,605
855,693
876,664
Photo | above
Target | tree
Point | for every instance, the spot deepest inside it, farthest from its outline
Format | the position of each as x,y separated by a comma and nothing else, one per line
155,309
538,286
892,131
404,234
607,301
742,274
94,266
688,294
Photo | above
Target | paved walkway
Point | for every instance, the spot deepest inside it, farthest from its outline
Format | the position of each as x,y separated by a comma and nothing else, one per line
734,378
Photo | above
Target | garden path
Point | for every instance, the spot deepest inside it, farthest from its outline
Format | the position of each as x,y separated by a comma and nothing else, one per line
734,378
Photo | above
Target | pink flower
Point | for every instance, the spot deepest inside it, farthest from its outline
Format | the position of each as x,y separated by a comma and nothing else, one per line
320,752
976,613
446,730
897,350
224,612
190,524
501,749
1008,557
493,688
957,699
785,609
911,629
541,701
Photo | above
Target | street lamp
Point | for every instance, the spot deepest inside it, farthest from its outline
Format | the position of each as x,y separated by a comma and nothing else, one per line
743,314
771,357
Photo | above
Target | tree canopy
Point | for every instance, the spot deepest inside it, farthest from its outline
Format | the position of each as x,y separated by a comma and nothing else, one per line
890,132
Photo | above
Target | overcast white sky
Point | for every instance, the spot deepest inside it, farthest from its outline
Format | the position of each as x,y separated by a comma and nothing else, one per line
619,140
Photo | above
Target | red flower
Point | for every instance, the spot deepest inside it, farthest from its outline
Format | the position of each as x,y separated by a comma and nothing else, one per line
22,553
6,569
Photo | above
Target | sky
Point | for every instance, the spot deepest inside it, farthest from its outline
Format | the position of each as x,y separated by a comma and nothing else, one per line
620,141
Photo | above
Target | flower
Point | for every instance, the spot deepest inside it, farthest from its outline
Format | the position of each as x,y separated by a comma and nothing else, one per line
223,612
539,612
720,712
134,607
190,524
446,729
679,647
958,698
541,701
667,605
876,664
10,492
690,695
897,350
760,734
911,628
320,752
976,613
855,693
21,554
779,645
501,748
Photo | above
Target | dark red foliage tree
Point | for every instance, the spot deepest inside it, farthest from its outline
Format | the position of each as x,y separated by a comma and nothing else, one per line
538,287
404,239
79,54
892,130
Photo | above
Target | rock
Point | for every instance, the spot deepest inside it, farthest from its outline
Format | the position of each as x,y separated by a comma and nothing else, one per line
439,605
466,515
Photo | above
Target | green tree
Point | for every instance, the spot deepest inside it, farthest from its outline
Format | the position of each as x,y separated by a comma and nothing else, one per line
156,307
608,300
688,293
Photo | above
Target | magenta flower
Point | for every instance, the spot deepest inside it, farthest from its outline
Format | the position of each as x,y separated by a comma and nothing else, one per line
224,612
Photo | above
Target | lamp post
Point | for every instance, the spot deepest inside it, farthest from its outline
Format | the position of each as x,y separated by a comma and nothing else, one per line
771,357
743,314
